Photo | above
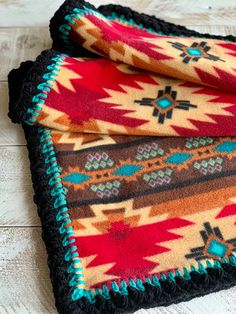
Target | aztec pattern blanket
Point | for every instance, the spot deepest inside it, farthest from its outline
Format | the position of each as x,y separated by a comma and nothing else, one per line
131,129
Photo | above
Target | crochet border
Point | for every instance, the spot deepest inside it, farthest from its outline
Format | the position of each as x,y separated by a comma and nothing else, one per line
30,84
63,257
60,28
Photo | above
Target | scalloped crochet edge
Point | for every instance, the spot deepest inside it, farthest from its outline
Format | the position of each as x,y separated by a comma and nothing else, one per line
166,291
60,28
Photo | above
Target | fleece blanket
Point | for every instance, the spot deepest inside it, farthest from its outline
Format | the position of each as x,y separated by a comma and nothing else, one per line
130,123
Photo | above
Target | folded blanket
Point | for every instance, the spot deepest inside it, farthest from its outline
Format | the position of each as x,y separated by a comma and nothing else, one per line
131,137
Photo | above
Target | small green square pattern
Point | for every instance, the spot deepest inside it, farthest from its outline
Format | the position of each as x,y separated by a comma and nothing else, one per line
217,248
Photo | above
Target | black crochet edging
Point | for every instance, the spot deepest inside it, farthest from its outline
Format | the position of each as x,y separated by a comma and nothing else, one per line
59,19
158,24
140,18
214,279
23,84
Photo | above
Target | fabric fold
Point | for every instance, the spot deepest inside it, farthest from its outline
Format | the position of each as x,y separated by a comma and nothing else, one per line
103,97
205,61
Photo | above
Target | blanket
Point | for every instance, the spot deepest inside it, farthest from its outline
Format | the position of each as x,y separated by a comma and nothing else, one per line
130,124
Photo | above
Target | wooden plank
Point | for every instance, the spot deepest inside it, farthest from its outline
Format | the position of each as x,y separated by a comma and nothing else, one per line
23,13
25,285
211,12
215,29
24,282
20,44
16,193
223,302
26,12
10,134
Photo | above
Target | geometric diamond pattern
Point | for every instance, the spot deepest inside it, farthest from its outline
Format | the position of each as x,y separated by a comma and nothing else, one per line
211,166
217,248
194,52
98,161
164,102
196,142
76,178
149,151
226,147
214,244
107,189
127,170
178,158
160,177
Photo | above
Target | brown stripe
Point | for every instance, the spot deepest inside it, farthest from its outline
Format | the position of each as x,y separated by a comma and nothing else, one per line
113,211
195,203
217,184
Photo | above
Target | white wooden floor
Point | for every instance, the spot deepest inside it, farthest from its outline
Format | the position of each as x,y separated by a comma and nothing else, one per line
24,279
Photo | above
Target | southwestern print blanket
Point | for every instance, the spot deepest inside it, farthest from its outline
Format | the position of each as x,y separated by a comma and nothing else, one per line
131,129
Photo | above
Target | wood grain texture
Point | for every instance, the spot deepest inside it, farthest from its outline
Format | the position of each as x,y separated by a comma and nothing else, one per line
20,44
10,134
16,202
211,12
38,13
216,303
25,286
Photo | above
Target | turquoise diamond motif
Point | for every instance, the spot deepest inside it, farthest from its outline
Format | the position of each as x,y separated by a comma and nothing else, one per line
164,102
178,158
194,52
217,248
127,170
76,178
226,147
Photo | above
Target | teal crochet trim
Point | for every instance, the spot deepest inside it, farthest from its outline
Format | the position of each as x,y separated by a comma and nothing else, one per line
58,193
77,272
154,281
75,269
115,17
44,88
65,29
